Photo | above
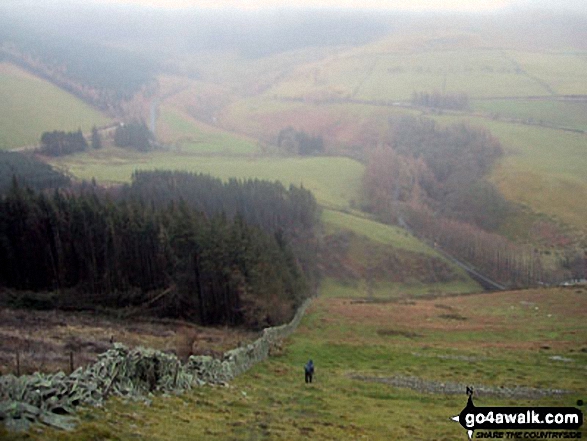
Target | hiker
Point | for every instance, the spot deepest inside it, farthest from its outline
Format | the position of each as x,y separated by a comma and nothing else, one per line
309,369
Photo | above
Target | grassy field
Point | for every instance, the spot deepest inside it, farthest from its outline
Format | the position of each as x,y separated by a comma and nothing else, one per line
395,74
374,231
334,181
188,135
387,291
534,338
367,259
544,168
564,73
31,106
564,114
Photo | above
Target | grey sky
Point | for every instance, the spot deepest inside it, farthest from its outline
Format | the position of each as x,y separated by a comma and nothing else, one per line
397,5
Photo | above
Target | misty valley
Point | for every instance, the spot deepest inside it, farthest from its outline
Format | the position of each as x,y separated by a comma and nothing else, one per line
282,222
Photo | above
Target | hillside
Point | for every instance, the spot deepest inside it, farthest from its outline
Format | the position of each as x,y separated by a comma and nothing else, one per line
381,368
31,105
533,101
222,114
403,153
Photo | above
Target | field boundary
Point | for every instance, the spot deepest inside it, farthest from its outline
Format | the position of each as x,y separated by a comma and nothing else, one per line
128,373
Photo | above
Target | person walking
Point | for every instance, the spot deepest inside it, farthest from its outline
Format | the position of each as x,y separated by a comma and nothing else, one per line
309,370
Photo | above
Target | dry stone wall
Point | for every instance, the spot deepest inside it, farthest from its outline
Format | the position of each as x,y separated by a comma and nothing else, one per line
132,373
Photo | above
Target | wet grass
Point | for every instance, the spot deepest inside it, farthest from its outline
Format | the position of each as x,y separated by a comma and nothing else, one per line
494,346
334,181
30,106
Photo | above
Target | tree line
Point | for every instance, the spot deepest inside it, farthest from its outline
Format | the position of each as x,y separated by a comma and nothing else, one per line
452,101
268,205
431,179
93,247
134,135
28,170
60,143
290,214
298,142
440,167
495,256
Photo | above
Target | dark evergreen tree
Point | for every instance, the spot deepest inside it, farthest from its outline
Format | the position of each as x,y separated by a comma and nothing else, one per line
126,250
27,169
134,135
96,139
59,143
299,142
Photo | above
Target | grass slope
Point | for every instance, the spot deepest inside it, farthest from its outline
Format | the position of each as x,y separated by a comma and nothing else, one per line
488,339
31,106
564,114
414,270
374,231
334,181
191,136
394,74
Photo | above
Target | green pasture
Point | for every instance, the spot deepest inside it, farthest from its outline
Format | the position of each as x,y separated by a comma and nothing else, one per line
563,114
334,181
189,136
395,75
565,73
338,77
479,73
498,341
30,106
374,231
544,169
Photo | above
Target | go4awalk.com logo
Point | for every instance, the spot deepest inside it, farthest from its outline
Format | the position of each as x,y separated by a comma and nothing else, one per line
520,422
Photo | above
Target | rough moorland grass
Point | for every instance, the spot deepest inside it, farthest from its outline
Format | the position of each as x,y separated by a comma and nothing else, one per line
334,181
383,291
30,106
339,123
496,343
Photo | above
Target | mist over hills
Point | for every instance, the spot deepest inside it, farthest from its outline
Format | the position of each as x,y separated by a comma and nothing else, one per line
118,49
265,32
